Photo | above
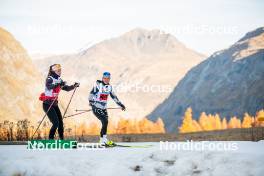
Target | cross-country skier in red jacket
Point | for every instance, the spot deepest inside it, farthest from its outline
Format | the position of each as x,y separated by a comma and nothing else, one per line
52,89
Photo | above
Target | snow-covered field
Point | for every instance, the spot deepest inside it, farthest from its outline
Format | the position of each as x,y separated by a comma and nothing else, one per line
247,159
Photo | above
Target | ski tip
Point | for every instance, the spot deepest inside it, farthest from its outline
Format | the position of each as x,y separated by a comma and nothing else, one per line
134,146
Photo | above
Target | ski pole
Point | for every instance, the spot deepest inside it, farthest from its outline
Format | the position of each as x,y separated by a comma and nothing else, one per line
83,111
91,109
76,114
69,103
44,116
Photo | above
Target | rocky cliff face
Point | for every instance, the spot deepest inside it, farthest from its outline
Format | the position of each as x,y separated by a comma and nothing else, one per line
138,57
20,81
230,82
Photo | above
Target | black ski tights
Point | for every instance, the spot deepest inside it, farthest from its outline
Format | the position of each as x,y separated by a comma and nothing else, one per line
102,115
55,118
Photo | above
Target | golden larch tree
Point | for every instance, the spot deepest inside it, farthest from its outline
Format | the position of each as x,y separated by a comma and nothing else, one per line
188,124
247,121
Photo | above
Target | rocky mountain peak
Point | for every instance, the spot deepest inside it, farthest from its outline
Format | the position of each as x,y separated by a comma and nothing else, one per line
252,34
251,43
154,40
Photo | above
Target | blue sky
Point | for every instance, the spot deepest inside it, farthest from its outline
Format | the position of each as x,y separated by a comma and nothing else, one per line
66,26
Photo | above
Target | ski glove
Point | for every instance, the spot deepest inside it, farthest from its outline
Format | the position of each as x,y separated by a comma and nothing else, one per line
76,84
123,107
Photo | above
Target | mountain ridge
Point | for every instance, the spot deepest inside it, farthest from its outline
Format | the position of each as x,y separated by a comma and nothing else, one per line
19,79
229,82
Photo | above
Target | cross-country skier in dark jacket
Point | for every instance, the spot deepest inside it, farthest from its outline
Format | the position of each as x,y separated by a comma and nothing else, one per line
98,101
52,88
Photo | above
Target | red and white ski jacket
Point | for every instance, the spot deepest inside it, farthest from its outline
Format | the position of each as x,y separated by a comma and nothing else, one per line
53,86
99,95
